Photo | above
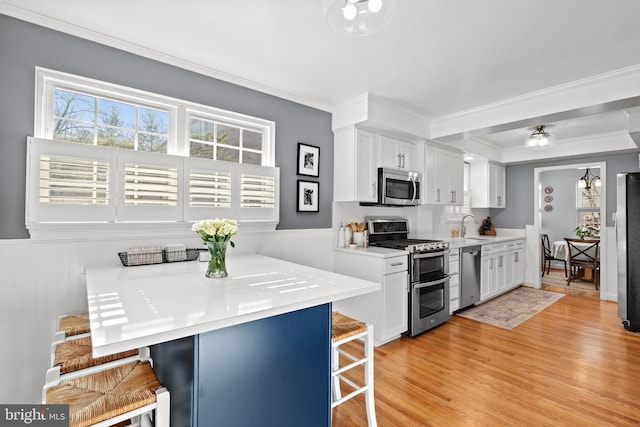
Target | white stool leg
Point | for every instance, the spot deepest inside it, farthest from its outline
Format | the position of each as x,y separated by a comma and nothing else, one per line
335,365
368,378
162,412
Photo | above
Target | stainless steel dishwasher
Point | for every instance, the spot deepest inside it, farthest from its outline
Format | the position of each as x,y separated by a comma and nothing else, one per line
469,275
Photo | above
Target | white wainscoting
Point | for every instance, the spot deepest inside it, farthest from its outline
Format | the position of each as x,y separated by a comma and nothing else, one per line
42,279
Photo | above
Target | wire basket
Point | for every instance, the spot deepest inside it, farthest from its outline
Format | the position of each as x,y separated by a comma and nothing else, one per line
162,256
188,254
130,259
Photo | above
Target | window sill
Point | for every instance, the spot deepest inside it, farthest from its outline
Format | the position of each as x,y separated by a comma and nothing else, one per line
128,231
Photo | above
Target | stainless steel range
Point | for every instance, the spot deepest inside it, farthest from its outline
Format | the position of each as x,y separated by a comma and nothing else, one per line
428,271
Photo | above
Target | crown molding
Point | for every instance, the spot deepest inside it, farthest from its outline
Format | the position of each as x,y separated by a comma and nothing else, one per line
603,88
32,17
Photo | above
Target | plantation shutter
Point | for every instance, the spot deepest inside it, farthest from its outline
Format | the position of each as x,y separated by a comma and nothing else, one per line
149,186
69,182
209,189
258,193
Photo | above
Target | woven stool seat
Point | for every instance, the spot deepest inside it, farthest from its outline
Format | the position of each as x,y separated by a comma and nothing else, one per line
344,326
75,324
106,394
75,354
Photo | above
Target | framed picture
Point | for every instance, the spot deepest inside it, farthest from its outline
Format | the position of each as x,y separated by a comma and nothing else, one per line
308,196
308,160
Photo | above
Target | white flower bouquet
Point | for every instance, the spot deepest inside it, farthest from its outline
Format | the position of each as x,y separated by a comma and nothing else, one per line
216,230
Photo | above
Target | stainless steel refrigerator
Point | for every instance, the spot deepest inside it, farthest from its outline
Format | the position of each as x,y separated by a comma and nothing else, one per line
628,244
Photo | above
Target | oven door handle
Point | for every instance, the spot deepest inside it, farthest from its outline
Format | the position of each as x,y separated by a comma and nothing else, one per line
428,255
435,282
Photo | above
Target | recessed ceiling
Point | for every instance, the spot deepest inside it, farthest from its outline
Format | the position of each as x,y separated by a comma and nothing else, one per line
435,58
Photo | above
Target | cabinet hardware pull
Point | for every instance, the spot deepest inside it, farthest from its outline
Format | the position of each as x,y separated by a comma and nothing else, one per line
438,195
395,264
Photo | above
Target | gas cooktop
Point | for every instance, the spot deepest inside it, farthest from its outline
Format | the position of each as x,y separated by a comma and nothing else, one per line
393,232
413,245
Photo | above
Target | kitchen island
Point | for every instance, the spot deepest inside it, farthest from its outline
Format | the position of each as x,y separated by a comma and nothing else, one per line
250,349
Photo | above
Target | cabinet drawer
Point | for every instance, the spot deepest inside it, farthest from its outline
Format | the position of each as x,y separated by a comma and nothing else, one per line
494,248
396,264
516,244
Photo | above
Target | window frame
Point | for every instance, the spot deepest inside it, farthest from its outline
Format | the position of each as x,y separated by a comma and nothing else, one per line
180,111
134,223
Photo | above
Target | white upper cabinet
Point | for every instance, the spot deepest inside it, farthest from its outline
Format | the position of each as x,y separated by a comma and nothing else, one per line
396,154
366,172
488,185
443,177
355,165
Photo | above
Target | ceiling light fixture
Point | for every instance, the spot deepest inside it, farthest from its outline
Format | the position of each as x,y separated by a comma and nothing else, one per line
539,139
588,180
358,17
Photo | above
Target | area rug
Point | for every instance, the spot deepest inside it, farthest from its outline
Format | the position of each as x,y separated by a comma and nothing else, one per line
511,309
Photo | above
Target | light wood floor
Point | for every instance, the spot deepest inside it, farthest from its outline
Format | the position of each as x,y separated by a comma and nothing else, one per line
571,365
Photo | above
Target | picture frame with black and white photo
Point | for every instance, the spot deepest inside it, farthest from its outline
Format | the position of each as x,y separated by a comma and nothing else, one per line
308,160
308,195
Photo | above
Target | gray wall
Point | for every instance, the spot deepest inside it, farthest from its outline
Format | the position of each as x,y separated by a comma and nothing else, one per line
519,211
24,46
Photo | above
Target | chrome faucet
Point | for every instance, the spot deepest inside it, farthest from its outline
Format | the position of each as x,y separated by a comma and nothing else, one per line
463,229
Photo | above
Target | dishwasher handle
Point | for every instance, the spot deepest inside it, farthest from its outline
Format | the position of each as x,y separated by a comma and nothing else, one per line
472,250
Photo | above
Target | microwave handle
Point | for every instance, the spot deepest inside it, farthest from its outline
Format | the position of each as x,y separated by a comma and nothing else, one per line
413,200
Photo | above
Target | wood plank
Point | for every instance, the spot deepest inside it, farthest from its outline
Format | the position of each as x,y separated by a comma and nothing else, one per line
572,364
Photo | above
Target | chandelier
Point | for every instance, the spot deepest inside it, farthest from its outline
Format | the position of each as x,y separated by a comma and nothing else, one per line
358,17
588,180
539,139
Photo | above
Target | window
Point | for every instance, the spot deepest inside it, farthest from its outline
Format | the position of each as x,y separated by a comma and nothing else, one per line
87,119
110,154
77,109
219,141
588,208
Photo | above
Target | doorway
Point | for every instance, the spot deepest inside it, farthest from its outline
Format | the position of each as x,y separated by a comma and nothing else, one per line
566,188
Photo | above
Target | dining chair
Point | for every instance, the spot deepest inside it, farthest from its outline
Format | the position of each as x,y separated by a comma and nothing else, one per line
583,254
547,256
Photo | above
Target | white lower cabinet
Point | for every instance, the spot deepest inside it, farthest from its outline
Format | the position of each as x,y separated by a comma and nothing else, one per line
454,280
502,268
386,309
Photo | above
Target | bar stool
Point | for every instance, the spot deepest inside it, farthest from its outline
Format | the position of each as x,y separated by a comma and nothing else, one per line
72,355
72,325
344,329
108,396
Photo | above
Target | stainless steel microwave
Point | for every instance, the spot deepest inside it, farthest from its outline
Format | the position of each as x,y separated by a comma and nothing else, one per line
398,187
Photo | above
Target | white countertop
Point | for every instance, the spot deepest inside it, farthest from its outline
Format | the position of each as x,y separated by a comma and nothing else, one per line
373,251
461,242
454,243
132,307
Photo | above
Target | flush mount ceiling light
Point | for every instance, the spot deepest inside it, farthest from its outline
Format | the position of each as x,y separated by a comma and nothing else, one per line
539,139
358,17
